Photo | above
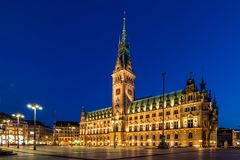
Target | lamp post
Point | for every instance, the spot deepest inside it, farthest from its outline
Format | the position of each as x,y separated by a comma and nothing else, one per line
18,116
7,122
163,144
34,107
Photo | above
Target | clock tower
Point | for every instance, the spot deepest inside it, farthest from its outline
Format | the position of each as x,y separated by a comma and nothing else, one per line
123,86
123,78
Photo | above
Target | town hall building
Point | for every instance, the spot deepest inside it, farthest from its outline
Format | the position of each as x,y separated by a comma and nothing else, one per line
190,115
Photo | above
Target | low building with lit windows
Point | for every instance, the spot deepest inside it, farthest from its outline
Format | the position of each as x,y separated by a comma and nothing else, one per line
44,134
8,130
66,133
190,114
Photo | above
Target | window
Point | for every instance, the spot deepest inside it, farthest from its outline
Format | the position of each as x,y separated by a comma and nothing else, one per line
168,136
190,123
147,137
147,116
176,136
141,127
160,114
130,138
168,113
190,135
190,98
135,137
135,117
193,108
130,128
147,127
176,125
154,137
153,127
154,115
187,109
135,128
160,126
175,111
117,91
130,118
168,125
141,137
141,117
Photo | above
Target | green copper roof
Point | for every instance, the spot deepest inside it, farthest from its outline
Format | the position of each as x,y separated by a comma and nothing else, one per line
99,114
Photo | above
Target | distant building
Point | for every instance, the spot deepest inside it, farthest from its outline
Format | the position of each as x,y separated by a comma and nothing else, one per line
236,137
44,134
66,133
8,130
191,114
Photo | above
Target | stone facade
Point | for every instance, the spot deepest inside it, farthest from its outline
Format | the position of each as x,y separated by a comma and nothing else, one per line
66,133
190,114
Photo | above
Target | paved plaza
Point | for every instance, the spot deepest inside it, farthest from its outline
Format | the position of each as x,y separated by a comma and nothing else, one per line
94,153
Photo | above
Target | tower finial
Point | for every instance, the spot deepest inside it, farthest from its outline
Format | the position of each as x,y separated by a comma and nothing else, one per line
82,108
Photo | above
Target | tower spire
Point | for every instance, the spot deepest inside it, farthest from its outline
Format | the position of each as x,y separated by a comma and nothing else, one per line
124,34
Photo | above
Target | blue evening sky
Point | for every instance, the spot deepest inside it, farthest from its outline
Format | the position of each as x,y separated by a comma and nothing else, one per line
61,54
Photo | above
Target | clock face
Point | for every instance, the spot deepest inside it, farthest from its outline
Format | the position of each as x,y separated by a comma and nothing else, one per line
130,92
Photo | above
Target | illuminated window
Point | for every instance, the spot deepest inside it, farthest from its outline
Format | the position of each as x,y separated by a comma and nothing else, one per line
130,128
190,123
147,127
160,126
135,128
153,127
176,124
168,125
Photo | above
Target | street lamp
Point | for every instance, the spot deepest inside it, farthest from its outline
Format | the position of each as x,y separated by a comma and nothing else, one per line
163,144
18,116
7,121
34,107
